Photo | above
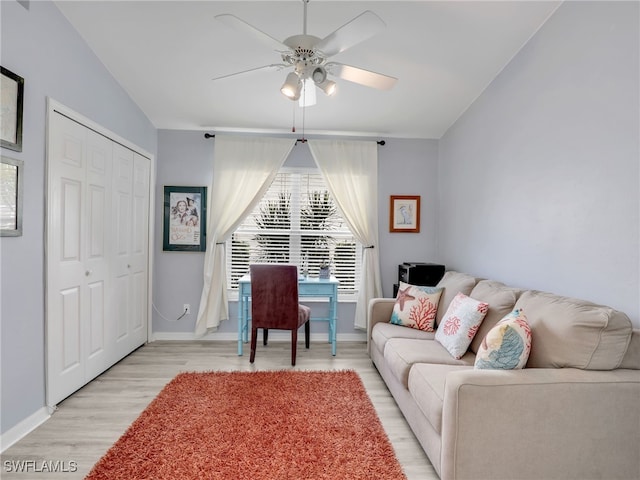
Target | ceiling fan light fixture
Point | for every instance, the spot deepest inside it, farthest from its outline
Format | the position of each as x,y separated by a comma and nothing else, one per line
329,87
319,75
292,86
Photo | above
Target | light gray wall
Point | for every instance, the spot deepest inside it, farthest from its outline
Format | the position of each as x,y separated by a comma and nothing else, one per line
407,167
39,45
539,179
185,158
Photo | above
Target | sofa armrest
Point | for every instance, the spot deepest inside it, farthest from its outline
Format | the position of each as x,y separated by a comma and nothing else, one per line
541,423
380,310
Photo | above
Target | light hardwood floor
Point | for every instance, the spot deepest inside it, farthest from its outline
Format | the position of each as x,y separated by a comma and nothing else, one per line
88,422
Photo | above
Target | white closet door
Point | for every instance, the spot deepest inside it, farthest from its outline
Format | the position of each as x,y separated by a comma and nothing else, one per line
97,253
121,228
139,250
96,258
130,228
77,263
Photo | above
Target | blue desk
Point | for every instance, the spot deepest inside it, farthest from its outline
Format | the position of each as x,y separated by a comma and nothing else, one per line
307,287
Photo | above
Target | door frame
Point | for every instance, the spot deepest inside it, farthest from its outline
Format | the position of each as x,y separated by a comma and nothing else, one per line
54,107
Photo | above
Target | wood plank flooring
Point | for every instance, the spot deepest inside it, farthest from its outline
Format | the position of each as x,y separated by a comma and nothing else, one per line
88,422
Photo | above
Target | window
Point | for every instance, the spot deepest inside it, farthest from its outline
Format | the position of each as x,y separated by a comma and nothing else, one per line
296,222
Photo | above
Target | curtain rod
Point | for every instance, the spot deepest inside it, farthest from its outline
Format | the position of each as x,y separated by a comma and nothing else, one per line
301,140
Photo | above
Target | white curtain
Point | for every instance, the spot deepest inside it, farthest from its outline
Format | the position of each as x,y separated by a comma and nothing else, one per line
350,169
243,169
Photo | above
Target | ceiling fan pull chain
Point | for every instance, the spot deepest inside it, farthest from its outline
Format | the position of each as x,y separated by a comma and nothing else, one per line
303,115
293,124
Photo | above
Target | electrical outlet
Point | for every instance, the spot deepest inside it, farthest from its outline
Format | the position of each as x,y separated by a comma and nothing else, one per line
186,309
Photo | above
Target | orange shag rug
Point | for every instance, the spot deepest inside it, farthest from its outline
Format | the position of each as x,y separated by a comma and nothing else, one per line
255,425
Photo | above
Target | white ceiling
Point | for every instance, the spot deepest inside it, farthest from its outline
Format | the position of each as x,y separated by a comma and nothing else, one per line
166,53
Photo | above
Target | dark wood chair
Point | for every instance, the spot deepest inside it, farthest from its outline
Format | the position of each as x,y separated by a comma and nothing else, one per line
274,304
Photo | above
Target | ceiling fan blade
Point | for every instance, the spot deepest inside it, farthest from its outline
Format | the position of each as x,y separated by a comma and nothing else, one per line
242,26
273,66
361,76
362,27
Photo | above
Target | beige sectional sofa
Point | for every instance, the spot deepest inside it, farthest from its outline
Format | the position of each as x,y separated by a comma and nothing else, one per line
572,413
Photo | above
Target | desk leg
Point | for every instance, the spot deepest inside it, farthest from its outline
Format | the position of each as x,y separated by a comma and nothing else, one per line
239,334
332,322
333,337
241,321
245,316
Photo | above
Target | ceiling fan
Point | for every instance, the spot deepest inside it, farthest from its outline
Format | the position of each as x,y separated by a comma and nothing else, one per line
309,56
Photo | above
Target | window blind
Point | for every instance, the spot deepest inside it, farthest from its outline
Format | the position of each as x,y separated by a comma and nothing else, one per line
296,222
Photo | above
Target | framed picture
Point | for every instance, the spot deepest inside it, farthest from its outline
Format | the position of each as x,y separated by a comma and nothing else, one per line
10,197
185,219
404,213
12,93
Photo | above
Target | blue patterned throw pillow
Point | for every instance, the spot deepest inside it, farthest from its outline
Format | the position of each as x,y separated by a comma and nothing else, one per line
507,345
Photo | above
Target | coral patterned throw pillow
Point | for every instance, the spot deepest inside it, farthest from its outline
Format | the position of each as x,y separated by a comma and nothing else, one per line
416,306
460,324
507,345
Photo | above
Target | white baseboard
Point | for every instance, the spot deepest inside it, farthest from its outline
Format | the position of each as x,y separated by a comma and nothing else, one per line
276,336
23,428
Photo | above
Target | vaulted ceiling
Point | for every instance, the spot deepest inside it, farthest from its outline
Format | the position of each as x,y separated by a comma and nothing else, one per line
166,53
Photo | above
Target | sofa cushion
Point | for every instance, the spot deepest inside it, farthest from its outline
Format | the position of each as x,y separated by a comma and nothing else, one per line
568,332
416,307
460,324
382,332
426,386
501,300
453,283
507,345
400,354
632,356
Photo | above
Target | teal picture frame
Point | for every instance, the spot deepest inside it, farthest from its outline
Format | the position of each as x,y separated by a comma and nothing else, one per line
185,219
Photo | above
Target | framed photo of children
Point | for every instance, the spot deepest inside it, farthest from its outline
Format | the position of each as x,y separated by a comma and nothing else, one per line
404,213
185,219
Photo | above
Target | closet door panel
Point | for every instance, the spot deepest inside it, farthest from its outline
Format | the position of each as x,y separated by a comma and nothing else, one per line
122,238
96,334
139,307
71,213
139,258
97,208
66,280
122,195
96,259
121,292
140,232
71,360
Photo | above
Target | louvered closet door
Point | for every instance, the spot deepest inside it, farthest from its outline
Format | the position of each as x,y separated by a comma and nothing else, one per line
77,256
